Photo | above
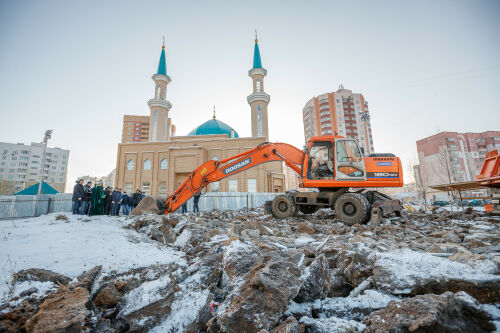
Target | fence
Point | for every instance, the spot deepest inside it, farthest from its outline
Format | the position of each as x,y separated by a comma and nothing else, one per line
16,206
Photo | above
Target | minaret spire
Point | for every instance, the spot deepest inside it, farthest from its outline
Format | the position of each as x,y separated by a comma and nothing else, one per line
258,100
214,111
159,122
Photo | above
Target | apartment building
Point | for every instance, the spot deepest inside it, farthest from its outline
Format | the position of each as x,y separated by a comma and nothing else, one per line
20,166
452,157
339,113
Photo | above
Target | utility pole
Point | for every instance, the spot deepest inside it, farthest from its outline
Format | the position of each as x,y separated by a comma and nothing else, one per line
46,137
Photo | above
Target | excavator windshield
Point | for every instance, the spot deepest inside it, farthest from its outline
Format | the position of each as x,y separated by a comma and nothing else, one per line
321,160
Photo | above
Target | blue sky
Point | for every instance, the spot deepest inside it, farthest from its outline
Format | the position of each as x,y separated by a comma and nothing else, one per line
78,67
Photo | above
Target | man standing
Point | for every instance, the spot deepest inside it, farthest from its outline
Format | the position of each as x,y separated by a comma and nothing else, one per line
125,203
184,207
108,201
137,197
87,196
117,200
77,196
97,201
196,199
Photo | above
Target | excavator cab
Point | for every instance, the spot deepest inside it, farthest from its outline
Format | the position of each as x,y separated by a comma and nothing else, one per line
346,163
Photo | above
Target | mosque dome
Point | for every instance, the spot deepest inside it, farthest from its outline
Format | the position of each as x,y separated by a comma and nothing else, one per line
213,126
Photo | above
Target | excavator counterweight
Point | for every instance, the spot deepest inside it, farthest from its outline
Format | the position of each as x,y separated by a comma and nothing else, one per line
333,167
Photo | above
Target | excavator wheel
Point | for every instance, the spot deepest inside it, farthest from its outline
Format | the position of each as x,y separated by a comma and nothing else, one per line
308,209
352,208
284,206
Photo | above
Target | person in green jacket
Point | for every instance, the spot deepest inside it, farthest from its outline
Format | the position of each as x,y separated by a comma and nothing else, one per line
97,201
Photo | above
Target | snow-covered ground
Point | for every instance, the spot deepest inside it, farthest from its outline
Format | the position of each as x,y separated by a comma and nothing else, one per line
74,246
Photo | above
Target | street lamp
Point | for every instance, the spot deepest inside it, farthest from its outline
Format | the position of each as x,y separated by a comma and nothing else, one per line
46,137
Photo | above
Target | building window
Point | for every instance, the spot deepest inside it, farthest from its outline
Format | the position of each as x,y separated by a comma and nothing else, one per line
130,165
233,185
128,187
252,185
147,165
163,164
145,188
259,121
214,187
162,188
258,86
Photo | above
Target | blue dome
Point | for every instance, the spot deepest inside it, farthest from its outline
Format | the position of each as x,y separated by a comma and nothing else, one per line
213,126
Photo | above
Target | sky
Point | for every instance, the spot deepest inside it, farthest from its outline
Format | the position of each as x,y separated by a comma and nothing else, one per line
78,67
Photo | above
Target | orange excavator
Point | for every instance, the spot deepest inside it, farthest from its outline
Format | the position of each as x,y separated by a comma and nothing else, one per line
333,167
490,177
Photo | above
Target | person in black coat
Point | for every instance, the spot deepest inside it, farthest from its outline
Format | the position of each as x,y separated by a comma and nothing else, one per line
108,200
196,199
87,195
117,201
136,198
77,196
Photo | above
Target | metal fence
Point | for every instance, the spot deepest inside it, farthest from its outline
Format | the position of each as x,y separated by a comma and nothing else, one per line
16,206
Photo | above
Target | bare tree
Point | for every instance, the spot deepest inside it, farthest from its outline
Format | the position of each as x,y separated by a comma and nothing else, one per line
417,173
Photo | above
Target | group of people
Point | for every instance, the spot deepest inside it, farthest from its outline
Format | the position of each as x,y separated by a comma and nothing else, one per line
88,200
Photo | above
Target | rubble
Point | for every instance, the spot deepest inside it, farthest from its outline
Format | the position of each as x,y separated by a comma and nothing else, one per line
248,272
447,312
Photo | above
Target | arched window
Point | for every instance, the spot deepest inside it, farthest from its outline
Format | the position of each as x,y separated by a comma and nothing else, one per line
258,86
130,165
158,92
147,165
163,164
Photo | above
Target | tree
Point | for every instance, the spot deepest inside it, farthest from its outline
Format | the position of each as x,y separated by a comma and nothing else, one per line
417,174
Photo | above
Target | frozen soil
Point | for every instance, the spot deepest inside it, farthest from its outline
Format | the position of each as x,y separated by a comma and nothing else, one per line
244,271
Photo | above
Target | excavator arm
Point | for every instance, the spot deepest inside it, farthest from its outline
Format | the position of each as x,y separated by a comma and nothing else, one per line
212,171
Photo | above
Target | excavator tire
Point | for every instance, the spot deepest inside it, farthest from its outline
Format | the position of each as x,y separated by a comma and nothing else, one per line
308,209
284,206
352,208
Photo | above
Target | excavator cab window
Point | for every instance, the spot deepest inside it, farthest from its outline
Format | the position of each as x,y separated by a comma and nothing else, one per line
349,161
321,160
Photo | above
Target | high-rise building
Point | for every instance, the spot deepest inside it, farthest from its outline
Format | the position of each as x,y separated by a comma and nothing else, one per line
452,157
20,166
135,129
339,113
258,100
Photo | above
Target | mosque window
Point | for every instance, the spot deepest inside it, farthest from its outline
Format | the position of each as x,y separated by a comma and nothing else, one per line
158,92
147,164
258,86
130,165
163,164
259,121
252,185
233,185
214,187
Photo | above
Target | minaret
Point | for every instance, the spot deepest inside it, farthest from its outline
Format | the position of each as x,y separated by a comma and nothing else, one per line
258,100
159,129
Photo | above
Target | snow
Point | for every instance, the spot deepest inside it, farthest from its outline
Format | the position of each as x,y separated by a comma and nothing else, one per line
186,306
147,293
74,246
345,307
332,324
183,238
304,240
407,267
235,247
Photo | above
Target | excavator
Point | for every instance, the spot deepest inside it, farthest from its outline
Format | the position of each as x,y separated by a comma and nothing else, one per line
332,168
490,177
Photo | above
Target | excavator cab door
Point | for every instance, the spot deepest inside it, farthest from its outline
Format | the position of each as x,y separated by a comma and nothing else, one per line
349,163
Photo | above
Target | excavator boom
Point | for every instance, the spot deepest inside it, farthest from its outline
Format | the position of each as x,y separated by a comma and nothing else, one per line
212,171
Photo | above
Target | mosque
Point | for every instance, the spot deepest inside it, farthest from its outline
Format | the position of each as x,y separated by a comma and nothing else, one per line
152,158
